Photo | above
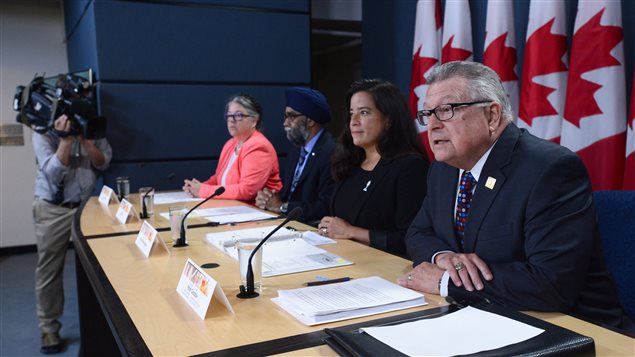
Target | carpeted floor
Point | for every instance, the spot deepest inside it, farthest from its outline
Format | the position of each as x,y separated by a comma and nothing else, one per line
19,334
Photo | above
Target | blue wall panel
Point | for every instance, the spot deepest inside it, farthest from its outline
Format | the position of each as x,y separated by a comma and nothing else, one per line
155,174
80,35
167,42
165,69
155,122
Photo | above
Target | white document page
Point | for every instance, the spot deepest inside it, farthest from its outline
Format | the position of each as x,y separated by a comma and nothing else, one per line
241,217
349,295
225,211
295,255
226,240
165,198
284,253
479,331
316,239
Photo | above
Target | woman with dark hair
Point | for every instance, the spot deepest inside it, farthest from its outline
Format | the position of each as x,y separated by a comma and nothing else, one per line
380,169
248,162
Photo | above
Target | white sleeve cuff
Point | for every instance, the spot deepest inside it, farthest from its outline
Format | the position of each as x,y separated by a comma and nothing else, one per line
434,257
443,285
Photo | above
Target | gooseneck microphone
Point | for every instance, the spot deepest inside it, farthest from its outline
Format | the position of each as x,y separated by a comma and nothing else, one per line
249,291
181,242
144,208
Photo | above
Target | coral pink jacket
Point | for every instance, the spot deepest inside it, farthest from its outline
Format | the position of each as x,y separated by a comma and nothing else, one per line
255,167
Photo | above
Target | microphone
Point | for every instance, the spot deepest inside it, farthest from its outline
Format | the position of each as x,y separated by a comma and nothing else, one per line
249,292
181,242
144,209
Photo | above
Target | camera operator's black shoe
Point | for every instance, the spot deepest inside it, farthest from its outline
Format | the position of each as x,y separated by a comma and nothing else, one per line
51,343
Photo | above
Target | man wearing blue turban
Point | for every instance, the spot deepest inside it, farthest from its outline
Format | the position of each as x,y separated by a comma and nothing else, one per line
307,177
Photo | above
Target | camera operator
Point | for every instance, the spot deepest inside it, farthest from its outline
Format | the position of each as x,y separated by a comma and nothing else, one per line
66,175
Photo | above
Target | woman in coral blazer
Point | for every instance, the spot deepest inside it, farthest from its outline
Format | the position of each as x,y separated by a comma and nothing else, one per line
248,162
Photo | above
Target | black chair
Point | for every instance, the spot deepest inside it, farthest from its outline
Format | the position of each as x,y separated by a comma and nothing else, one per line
616,219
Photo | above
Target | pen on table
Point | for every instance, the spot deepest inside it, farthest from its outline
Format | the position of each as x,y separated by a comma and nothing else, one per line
324,282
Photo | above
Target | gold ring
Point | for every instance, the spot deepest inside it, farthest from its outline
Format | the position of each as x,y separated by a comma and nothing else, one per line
459,266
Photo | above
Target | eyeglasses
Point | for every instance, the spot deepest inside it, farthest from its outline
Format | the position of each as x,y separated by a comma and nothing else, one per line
235,117
292,116
444,112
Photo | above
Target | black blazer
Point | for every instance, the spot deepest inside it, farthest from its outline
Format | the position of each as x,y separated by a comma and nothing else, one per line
315,188
535,227
392,203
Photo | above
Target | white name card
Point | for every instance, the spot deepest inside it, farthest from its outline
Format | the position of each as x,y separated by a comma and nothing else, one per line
198,288
146,238
105,195
123,212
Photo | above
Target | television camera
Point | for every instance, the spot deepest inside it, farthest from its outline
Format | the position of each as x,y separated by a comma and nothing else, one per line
45,99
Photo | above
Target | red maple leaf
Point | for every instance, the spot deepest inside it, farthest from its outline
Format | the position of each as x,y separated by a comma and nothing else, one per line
590,50
543,55
420,65
449,53
501,58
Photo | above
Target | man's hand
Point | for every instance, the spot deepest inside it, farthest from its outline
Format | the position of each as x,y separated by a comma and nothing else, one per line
465,269
63,152
63,124
424,277
269,200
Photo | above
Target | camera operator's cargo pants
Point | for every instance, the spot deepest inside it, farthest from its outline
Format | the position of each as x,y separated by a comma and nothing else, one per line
52,232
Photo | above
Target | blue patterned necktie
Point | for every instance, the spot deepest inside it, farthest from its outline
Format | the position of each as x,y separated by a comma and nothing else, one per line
298,171
463,203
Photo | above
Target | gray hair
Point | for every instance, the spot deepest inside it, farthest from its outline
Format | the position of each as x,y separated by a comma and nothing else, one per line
248,102
482,82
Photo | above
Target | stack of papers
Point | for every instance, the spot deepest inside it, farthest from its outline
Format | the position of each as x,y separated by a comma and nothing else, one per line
232,214
285,252
355,298
165,198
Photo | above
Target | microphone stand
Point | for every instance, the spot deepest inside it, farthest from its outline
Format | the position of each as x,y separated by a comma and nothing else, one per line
181,242
250,291
144,209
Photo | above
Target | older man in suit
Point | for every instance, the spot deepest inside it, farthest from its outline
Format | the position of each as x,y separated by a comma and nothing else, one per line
508,216
307,178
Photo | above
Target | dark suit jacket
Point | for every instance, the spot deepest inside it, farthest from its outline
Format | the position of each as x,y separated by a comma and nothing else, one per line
391,203
536,229
315,188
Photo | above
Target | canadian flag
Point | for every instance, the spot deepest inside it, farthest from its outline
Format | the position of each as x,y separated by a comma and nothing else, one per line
500,47
544,84
629,167
457,32
426,54
595,107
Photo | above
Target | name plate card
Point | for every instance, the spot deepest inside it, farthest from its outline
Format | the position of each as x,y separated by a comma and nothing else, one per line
123,212
105,195
198,288
146,238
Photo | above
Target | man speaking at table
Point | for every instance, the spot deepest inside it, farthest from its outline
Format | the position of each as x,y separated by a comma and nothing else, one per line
307,178
508,216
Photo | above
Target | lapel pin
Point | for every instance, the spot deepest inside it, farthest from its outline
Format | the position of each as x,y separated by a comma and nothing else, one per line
490,183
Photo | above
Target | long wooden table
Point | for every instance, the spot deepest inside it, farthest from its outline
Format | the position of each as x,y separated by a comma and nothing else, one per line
142,314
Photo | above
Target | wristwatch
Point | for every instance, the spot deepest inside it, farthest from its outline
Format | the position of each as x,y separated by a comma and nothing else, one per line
284,207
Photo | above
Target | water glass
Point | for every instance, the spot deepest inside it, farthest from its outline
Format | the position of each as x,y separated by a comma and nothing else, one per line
146,196
245,248
123,187
176,217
